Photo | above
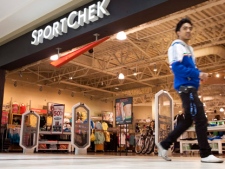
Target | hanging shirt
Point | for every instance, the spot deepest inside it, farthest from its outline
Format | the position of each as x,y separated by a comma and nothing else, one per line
104,126
107,136
98,125
15,107
22,108
122,136
99,137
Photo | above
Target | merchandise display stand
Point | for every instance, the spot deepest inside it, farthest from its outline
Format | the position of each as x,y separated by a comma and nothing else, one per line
215,144
53,136
81,130
56,145
29,131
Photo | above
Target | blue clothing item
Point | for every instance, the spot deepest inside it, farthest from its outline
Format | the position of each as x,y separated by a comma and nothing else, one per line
182,61
91,123
213,138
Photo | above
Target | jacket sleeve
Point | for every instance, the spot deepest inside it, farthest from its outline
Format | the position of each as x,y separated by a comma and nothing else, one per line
180,70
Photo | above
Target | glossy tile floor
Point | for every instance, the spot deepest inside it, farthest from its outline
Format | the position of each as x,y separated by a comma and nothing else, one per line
100,161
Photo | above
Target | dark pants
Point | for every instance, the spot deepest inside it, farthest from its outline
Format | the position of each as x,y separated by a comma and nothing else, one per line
200,124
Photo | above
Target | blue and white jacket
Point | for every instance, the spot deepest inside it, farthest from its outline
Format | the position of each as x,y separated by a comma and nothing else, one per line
182,62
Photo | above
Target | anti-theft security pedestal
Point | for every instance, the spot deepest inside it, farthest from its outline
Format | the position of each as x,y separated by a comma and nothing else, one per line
80,136
163,115
29,131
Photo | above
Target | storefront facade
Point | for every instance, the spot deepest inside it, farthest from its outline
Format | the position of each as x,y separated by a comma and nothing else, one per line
108,17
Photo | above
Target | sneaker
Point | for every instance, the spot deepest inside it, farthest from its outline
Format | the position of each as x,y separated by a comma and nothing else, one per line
162,152
211,159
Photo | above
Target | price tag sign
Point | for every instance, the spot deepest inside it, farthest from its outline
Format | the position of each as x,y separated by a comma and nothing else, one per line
57,121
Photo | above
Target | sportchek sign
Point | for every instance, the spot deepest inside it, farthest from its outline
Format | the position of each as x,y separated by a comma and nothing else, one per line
74,20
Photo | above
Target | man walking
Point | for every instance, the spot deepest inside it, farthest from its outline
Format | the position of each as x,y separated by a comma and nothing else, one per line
186,81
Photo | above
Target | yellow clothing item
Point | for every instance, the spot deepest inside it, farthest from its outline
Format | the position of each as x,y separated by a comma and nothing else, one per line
33,120
83,115
104,126
107,136
92,137
49,120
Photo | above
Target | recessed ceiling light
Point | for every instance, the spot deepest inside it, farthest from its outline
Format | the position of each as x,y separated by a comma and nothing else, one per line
121,35
135,73
121,76
54,57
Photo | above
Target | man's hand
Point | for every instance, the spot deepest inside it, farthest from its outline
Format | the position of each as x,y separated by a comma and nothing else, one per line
203,76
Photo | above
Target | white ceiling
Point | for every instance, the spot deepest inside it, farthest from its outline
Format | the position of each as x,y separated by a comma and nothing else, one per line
20,16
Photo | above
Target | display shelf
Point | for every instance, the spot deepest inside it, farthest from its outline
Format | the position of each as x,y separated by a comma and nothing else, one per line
47,142
214,128
219,142
45,132
215,141
16,119
64,142
56,143
66,133
47,149
49,132
96,118
62,149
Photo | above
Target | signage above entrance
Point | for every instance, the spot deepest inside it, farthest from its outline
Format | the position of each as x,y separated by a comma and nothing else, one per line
74,21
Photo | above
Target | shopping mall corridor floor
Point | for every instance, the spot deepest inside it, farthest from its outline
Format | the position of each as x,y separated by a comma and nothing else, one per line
65,161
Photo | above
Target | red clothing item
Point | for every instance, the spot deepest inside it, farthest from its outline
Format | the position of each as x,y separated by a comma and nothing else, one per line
15,107
22,108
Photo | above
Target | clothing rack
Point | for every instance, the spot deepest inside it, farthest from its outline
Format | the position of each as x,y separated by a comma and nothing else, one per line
14,141
3,130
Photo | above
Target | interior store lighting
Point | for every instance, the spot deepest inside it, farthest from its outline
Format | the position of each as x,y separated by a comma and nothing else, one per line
56,56
221,110
155,68
135,73
217,75
121,76
121,35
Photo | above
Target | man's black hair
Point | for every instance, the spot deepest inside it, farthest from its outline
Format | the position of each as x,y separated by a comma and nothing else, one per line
181,22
